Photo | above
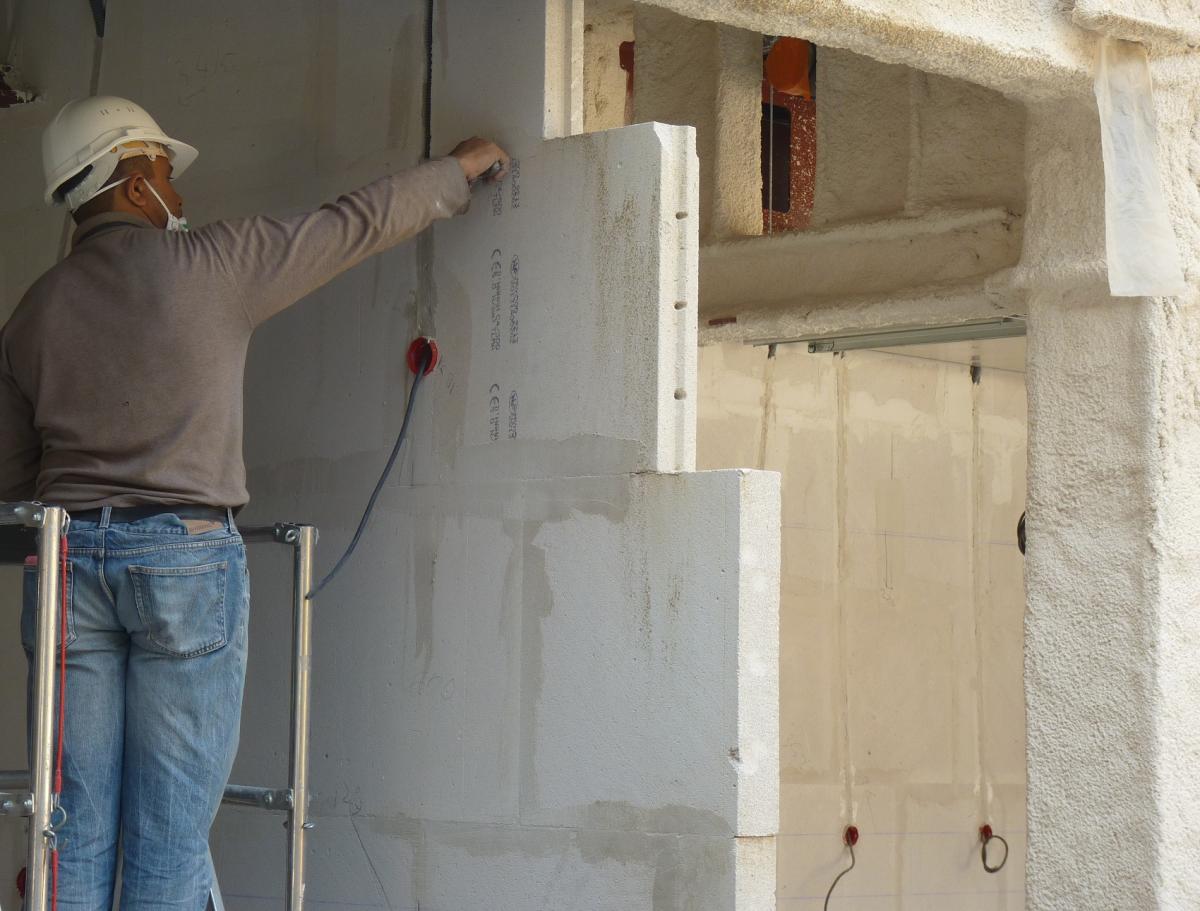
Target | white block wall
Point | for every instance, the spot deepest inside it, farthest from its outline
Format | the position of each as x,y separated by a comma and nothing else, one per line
566,303
549,677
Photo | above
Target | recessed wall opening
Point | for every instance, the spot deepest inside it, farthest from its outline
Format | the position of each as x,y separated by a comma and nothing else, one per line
902,604
789,132
839,196
776,162
793,136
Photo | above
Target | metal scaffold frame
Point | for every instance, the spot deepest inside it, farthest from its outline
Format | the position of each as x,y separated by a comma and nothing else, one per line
29,793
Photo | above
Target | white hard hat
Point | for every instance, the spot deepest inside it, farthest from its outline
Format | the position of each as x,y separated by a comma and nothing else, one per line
89,129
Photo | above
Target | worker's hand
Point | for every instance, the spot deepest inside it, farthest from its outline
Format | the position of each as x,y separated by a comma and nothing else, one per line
476,156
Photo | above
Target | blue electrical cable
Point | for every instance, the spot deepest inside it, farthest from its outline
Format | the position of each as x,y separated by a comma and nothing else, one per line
387,470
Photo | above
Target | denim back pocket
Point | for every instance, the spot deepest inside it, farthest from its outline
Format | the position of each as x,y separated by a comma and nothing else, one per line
29,605
182,608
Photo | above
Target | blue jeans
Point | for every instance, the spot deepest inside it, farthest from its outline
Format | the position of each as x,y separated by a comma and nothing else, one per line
156,661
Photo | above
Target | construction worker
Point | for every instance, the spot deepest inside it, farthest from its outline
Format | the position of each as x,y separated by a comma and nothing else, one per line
121,377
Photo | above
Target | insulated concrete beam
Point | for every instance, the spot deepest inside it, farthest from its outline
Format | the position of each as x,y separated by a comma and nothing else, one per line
934,305
1027,49
1148,21
802,270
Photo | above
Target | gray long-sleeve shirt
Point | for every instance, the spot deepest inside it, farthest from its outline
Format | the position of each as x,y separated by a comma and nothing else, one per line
121,370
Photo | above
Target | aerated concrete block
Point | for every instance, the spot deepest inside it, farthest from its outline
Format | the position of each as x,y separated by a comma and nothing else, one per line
596,653
565,303
565,691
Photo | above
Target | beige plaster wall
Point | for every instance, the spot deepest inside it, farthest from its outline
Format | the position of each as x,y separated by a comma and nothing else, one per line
901,707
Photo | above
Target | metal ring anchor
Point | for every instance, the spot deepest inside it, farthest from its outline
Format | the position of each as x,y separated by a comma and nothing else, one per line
986,836
52,830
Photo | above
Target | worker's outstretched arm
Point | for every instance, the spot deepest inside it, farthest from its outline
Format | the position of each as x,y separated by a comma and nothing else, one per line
273,262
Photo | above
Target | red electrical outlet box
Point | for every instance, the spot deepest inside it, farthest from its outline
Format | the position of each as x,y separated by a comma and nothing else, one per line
422,348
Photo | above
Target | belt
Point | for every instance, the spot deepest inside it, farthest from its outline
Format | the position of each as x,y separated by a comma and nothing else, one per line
137,513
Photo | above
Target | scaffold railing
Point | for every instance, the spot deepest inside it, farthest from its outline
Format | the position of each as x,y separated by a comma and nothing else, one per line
28,528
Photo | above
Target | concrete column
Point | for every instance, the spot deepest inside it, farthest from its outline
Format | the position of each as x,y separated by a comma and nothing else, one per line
709,76
1113,568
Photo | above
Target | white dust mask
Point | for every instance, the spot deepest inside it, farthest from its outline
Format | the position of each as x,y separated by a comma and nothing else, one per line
173,223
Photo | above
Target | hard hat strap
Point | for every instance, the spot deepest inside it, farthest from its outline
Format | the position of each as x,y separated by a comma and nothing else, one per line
105,188
106,165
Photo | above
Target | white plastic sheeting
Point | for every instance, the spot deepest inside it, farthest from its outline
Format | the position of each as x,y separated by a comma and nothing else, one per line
1143,258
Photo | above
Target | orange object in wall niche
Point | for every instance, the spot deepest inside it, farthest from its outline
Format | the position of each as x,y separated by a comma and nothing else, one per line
788,67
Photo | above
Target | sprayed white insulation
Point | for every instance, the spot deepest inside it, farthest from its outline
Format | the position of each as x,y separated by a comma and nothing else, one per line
1162,22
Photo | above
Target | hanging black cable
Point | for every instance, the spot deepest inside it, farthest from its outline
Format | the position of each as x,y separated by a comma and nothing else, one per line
99,14
427,95
986,836
850,839
387,470
426,355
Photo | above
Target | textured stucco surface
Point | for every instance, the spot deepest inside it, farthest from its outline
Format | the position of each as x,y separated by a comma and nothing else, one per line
901,612
930,305
1028,49
1111,679
1166,22
707,76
